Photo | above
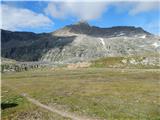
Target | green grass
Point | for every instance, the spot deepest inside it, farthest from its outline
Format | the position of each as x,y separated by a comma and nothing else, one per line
16,107
116,62
113,94
107,62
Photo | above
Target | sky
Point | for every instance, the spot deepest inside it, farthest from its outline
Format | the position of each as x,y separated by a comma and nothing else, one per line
48,16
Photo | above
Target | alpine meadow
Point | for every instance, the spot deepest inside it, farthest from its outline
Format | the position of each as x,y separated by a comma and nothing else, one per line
80,60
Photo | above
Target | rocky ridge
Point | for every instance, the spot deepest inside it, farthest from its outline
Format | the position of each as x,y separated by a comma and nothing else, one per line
78,42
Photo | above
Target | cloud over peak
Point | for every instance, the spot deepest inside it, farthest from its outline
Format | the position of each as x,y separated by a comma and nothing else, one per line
22,16
80,10
93,10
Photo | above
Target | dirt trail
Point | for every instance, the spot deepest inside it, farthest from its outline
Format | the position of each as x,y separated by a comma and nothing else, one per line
53,109
60,112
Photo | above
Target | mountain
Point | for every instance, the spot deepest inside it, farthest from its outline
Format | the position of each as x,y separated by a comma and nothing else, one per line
26,46
78,42
85,28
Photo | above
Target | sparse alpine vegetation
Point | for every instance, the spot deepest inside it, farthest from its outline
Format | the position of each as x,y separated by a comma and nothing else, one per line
128,62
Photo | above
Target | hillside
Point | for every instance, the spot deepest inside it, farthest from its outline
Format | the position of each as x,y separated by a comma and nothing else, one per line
78,42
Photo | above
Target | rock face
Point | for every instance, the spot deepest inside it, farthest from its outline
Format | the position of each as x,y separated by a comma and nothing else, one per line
78,42
85,28
24,46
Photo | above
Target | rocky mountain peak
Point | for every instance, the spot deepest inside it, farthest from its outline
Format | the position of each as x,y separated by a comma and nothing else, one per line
78,42
82,27
82,23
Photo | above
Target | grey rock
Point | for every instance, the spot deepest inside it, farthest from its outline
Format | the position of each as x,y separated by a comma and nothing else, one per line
78,42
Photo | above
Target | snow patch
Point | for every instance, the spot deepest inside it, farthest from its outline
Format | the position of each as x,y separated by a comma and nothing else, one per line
121,34
103,43
143,36
156,44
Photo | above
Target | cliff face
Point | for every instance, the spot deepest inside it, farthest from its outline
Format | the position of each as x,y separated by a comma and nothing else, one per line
78,42
24,46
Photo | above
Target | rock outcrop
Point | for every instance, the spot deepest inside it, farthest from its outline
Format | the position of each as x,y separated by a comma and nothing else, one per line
79,42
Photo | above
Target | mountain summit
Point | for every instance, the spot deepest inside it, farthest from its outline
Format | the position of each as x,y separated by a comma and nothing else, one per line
78,42
82,23
82,27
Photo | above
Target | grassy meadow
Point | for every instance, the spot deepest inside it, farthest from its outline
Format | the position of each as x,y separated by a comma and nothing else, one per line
16,107
102,93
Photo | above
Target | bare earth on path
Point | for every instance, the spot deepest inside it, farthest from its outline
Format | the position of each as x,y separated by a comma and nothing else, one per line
53,109
60,112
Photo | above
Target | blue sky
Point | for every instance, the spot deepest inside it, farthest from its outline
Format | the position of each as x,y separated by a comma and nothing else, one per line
40,16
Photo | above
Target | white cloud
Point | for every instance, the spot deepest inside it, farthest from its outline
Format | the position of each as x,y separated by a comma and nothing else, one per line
18,18
93,10
80,10
141,7
134,7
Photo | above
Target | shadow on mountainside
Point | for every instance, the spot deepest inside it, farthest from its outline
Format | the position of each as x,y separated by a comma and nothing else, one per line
26,46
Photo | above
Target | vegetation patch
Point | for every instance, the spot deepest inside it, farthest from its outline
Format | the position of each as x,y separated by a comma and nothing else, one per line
106,93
